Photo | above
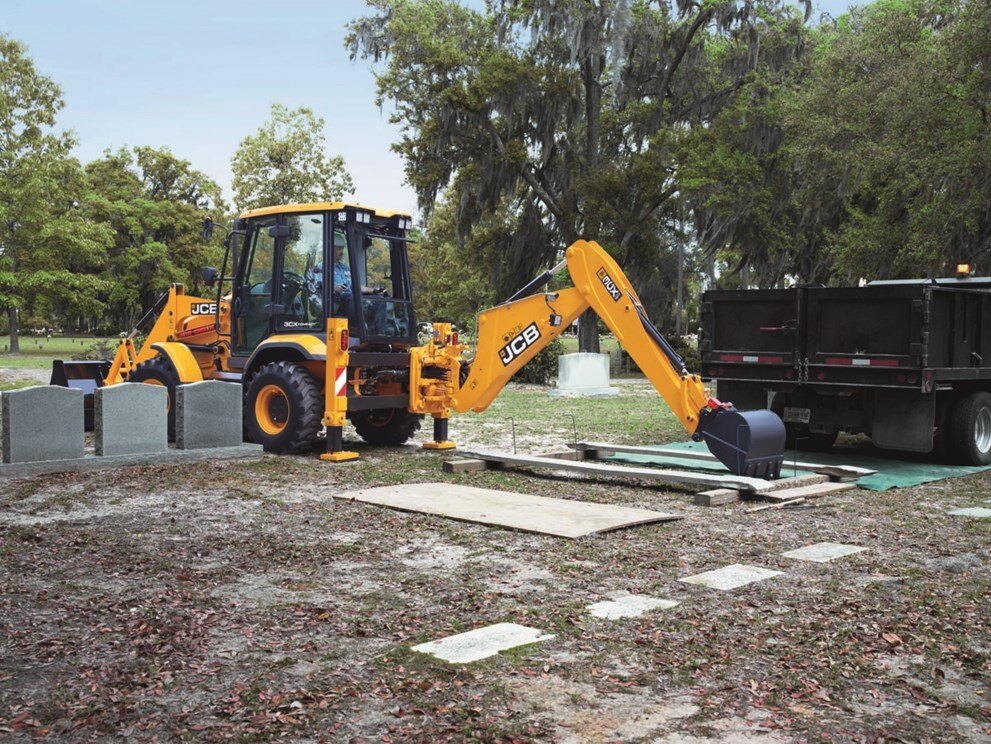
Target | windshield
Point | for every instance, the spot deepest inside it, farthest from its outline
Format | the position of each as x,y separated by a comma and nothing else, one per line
385,293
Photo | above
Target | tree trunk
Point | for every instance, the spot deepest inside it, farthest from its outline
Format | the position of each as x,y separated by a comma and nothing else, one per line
15,347
681,286
588,332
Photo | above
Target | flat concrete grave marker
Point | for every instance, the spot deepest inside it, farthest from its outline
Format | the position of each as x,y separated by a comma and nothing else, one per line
624,604
731,577
131,419
974,512
520,511
823,552
481,643
208,414
41,423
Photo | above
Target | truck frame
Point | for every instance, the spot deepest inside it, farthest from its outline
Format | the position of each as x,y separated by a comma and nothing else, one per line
906,362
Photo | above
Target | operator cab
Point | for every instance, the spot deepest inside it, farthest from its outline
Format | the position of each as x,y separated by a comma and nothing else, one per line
300,264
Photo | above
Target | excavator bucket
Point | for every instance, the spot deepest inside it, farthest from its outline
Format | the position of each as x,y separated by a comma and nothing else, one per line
750,443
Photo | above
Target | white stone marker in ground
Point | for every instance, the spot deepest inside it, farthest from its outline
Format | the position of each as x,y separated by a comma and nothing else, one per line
583,374
823,552
978,512
624,604
731,577
481,643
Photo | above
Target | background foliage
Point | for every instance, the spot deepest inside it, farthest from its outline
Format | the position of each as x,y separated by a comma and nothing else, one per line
704,144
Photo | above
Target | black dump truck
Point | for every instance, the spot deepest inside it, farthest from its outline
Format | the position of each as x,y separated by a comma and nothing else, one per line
907,363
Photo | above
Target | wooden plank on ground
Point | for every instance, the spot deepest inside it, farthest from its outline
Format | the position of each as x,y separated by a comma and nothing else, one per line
808,492
718,497
681,477
604,449
542,514
464,465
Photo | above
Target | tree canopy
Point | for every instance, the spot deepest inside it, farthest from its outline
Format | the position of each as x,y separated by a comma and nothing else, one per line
286,162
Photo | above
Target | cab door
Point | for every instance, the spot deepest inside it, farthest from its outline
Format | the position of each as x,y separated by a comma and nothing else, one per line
253,302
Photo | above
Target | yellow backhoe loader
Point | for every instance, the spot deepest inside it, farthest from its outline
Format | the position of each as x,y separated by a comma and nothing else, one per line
315,320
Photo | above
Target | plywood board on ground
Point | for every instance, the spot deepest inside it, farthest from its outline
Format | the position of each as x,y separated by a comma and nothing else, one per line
518,511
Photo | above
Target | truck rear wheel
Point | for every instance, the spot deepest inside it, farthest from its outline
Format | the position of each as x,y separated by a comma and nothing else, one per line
159,371
387,426
967,439
283,409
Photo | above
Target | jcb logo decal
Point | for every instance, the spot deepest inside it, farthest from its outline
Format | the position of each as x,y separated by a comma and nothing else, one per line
519,344
609,284
204,308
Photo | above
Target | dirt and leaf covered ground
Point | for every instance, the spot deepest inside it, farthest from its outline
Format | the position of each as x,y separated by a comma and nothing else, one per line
239,600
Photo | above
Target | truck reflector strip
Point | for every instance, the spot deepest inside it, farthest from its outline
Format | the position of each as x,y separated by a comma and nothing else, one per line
341,380
748,359
857,362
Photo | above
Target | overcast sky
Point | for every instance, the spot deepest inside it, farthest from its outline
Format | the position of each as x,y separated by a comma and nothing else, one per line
199,76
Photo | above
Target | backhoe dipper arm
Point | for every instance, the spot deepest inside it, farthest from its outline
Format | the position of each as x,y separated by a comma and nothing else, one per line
511,334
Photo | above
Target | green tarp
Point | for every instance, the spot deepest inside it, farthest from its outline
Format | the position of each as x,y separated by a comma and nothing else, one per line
894,470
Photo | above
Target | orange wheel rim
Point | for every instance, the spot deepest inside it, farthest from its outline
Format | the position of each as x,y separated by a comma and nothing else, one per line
272,410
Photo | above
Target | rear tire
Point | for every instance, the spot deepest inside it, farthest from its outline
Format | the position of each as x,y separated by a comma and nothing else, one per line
967,439
283,410
159,371
387,426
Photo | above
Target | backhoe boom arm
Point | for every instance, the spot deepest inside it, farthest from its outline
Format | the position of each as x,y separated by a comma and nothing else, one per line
511,334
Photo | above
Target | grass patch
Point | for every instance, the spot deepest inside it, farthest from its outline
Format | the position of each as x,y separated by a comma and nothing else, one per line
38,352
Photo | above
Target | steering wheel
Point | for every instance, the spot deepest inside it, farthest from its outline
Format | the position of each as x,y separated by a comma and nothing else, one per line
292,289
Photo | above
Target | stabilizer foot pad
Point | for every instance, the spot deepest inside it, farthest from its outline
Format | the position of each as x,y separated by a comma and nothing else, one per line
445,445
341,456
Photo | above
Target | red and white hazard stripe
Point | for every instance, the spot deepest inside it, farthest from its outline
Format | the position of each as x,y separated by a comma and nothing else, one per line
341,380
861,362
749,359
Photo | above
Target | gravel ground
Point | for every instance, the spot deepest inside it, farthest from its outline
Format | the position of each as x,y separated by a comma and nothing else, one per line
239,600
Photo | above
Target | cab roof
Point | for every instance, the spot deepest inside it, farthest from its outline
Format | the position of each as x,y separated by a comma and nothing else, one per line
319,207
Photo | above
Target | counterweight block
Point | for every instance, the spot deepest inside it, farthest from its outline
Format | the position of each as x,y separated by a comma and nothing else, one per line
750,443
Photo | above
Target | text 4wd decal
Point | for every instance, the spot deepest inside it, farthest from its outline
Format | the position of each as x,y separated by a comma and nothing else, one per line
203,308
609,284
519,343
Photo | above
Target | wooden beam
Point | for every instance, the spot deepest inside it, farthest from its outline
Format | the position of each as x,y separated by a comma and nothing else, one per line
604,449
808,492
681,477
719,497
464,465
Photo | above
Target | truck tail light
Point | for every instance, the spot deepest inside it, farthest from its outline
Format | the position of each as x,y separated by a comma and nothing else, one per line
345,338
454,338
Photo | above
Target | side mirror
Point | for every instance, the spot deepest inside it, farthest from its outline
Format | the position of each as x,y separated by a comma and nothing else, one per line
207,229
209,276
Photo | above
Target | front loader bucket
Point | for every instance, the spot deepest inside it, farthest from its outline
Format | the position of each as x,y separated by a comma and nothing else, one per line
82,375
750,443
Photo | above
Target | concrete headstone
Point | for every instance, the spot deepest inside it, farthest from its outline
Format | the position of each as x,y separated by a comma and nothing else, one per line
481,643
41,423
131,419
731,577
975,512
208,414
623,605
584,374
823,552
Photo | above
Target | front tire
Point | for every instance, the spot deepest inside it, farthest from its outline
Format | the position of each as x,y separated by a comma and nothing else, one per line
967,440
159,371
283,410
387,426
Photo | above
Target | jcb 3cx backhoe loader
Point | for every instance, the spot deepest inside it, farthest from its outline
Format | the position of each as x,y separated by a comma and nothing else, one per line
315,321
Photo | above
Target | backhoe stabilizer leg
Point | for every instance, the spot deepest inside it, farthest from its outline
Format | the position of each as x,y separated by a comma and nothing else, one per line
750,443
335,451
440,440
